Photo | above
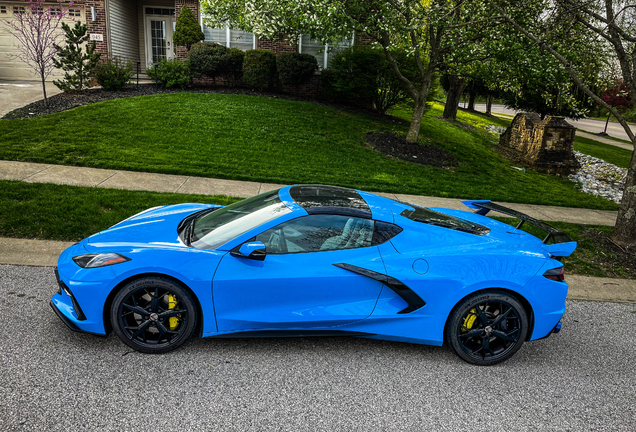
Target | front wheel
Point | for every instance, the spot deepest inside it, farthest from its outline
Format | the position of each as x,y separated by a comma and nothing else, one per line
153,315
487,328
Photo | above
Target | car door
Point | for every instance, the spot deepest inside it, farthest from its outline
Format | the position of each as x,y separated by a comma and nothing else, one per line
297,285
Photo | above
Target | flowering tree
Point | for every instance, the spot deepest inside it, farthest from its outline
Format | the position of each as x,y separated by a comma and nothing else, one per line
36,29
613,22
618,97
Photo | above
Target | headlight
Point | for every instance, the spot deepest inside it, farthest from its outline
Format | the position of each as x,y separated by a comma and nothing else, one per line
99,260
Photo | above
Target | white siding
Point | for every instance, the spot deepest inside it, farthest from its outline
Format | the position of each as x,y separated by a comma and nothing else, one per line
123,22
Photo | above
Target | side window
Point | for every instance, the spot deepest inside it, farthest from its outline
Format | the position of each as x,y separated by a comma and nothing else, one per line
384,232
317,233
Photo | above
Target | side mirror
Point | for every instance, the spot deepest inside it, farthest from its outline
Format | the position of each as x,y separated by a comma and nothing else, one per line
252,250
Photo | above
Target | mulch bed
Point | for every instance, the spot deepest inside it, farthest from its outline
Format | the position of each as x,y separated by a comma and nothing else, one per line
397,146
614,255
66,101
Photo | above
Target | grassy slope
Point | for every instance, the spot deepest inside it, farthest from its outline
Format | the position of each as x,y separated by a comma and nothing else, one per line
274,140
607,152
56,212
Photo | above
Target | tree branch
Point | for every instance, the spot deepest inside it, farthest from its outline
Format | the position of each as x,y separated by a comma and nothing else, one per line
568,67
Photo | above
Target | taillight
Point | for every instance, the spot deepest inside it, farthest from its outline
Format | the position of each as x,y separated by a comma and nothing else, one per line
556,274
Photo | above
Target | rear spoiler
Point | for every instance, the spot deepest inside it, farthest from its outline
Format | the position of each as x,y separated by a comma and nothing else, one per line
562,244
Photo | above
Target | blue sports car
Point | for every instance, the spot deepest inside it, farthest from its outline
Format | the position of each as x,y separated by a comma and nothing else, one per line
309,260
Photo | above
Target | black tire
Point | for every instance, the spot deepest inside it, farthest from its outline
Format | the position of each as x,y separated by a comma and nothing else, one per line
153,315
487,328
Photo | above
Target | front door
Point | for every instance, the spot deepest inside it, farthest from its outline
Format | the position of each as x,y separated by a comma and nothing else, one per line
159,44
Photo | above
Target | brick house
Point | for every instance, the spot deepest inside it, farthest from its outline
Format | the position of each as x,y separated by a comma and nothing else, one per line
141,31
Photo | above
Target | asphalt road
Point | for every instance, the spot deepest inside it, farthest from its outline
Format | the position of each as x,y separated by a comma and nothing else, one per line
614,129
55,380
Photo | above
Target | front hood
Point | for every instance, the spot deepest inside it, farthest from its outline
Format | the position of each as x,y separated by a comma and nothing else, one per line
155,226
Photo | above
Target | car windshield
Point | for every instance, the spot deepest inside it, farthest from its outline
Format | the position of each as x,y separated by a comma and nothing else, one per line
432,217
217,228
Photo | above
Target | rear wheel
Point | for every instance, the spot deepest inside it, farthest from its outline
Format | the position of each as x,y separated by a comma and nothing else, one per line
487,328
153,315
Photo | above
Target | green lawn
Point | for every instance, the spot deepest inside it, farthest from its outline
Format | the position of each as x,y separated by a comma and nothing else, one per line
609,153
275,140
56,212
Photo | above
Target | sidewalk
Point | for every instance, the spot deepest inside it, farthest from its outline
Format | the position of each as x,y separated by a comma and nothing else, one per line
605,140
116,179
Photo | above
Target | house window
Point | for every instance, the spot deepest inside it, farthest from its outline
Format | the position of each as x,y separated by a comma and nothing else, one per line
230,38
17,10
159,11
323,53
74,12
3,9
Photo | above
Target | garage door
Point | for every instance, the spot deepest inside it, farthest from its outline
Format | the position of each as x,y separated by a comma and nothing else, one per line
12,68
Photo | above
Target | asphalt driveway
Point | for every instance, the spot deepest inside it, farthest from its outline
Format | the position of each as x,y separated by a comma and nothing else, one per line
57,380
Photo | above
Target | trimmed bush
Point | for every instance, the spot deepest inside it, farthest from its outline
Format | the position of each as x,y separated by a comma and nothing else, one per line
234,66
259,68
362,75
295,68
171,73
187,29
113,74
209,59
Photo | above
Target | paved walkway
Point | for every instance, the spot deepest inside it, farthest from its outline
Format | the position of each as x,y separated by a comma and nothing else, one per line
116,179
604,140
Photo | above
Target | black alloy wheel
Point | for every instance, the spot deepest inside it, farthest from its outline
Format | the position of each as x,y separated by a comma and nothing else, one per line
487,328
153,315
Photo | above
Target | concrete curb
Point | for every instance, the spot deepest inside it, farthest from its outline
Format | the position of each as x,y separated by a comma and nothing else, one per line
44,253
128,180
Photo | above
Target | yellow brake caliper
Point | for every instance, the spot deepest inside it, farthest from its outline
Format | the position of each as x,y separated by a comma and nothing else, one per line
173,322
469,321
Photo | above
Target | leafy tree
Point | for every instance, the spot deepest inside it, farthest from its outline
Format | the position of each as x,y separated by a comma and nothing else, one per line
36,30
421,28
77,62
618,97
613,21
187,29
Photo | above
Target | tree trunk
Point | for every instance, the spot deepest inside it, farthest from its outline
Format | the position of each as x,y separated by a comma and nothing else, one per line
471,101
416,120
455,90
625,229
489,105
46,101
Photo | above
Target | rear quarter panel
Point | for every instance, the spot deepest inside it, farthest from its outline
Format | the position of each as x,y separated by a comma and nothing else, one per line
444,266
